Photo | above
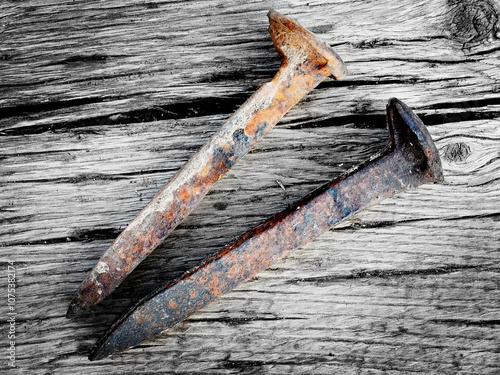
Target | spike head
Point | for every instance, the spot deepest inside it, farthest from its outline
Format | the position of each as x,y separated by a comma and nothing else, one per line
292,41
408,131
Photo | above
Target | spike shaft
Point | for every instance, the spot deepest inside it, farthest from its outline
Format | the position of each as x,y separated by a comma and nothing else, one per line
305,63
409,160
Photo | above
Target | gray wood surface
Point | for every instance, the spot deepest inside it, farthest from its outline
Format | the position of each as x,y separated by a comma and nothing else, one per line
101,102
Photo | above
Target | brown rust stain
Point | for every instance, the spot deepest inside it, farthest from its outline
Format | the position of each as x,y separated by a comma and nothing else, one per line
215,286
185,193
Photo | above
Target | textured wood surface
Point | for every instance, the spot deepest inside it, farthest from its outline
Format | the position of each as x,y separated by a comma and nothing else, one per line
100,104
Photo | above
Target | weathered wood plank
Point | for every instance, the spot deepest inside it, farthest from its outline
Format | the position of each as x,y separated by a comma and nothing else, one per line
101,103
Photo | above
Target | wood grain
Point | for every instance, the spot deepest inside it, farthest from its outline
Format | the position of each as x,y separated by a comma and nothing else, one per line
100,104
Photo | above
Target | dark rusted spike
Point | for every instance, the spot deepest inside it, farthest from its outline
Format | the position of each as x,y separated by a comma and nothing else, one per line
409,160
305,63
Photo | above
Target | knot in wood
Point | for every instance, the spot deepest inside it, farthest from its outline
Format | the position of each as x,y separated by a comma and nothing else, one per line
474,22
457,152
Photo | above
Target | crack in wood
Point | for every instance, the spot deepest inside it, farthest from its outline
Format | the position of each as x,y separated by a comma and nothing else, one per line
377,121
181,110
465,104
25,109
467,322
81,235
235,321
374,273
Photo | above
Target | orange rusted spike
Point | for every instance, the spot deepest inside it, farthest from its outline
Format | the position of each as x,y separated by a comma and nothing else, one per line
305,63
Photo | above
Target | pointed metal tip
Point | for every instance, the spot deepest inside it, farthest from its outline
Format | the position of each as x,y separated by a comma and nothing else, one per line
112,341
97,353
74,310
127,332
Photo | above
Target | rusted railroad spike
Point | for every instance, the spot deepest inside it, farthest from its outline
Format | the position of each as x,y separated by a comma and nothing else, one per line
410,159
305,63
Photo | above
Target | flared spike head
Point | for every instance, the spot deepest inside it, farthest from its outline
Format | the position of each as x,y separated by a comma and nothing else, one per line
406,128
291,39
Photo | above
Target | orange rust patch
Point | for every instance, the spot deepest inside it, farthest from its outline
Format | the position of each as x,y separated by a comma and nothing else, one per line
215,286
193,293
234,271
172,304
184,193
